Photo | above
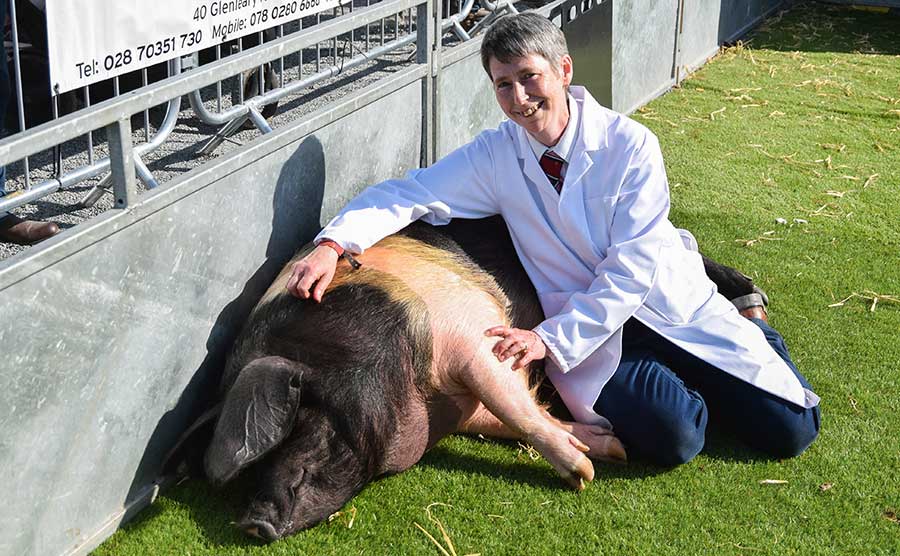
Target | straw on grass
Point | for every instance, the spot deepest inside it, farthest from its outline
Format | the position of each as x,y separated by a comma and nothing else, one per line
870,296
351,512
449,550
766,236
528,450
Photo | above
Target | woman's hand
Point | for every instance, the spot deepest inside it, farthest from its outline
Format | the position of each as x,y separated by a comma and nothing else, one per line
317,268
525,345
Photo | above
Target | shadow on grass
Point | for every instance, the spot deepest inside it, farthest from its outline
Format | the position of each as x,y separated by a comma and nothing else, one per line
445,459
719,445
818,27
724,447
212,510
143,519
441,458
527,472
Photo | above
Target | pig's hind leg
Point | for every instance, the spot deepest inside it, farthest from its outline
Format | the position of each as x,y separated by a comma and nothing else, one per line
600,440
506,395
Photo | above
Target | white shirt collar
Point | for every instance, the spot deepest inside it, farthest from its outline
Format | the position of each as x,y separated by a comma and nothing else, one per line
564,146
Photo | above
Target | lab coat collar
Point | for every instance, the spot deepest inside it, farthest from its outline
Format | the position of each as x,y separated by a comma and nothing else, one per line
589,139
595,120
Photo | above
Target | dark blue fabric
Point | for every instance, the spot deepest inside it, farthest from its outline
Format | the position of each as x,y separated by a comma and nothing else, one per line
661,398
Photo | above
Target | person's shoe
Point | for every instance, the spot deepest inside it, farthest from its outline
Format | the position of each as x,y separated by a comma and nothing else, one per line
753,305
25,232
758,312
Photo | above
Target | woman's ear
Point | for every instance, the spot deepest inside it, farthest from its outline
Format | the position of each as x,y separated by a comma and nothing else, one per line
565,64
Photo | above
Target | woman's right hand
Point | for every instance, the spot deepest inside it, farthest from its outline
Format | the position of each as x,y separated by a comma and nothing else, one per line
312,274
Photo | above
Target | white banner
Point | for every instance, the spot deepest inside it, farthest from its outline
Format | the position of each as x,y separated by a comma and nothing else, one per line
92,40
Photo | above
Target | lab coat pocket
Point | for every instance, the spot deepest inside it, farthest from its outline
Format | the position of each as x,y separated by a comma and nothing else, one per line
681,287
599,212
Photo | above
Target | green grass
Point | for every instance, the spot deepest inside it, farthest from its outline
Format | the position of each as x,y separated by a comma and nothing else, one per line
811,114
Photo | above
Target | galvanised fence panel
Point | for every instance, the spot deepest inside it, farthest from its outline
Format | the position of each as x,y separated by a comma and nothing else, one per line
643,51
638,50
589,34
704,25
697,35
465,103
739,16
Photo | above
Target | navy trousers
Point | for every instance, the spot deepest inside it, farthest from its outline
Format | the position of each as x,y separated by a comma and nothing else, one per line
661,398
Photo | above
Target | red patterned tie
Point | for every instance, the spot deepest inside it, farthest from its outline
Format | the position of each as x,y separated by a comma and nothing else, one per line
552,165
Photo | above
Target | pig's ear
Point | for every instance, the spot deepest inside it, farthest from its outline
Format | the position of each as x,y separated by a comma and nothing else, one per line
258,413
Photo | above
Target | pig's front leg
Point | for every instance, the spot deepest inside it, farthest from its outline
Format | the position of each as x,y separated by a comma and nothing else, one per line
505,394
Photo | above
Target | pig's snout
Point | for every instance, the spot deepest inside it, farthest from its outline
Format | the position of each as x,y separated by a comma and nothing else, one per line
260,530
260,521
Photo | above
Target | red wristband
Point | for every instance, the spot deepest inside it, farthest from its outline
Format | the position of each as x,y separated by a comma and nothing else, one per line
333,244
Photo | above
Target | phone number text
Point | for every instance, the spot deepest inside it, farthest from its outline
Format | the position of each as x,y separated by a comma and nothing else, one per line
124,58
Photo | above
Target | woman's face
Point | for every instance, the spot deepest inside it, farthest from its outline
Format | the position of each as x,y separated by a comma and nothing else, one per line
533,93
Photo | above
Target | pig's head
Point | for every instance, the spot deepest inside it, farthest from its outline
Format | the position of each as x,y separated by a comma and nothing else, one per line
306,467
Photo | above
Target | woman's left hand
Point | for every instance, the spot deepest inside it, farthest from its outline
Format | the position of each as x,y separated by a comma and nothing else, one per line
525,345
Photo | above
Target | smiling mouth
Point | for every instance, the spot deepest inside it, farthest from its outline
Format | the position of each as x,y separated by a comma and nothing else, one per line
533,109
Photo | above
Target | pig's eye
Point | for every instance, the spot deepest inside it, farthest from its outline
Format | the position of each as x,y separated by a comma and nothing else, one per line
298,479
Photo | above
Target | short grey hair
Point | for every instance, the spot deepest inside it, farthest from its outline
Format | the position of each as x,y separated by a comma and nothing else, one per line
519,35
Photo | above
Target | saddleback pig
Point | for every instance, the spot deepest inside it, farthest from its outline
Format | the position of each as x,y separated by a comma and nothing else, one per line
322,398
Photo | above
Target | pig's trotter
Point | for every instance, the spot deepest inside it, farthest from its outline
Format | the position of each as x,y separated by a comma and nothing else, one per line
565,453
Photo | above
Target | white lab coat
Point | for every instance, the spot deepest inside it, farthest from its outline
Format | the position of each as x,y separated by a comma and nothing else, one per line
598,253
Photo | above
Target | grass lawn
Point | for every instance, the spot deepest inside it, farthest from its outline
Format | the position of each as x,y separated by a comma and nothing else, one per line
784,160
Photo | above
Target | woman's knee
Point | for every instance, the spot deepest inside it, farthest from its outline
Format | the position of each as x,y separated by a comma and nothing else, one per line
676,440
684,440
654,414
792,436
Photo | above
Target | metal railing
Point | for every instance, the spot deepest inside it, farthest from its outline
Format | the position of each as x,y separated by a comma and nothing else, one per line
356,36
250,110
115,114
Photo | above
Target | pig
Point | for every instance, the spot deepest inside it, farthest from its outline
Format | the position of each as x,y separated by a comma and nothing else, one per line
319,399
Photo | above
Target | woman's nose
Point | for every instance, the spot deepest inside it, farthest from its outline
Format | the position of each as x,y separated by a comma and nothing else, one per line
519,94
